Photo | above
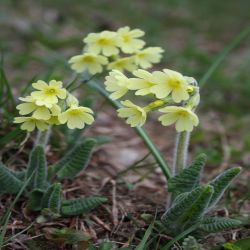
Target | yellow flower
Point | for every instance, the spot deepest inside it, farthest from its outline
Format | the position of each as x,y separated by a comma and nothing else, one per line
48,94
143,83
184,118
117,83
30,123
91,62
129,42
76,117
39,112
135,114
170,82
125,63
146,57
71,100
105,42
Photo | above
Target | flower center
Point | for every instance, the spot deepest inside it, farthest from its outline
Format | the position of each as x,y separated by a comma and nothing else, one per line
88,59
173,83
126,38
141,55
74,112
104,42
183,113
50,91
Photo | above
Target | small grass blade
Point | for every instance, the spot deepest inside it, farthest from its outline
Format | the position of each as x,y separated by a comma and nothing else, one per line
6,91
180,236
19,233
143,243
223,54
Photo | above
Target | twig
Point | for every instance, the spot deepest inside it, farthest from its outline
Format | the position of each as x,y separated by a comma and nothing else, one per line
100,222
114,204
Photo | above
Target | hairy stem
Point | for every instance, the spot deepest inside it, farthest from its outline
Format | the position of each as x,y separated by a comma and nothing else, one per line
42,137
180,152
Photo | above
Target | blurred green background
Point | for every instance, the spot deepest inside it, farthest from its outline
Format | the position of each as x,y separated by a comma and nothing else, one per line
37,37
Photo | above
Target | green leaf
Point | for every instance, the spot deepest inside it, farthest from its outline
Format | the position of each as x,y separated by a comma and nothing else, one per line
188,210
231,246
217,224
144,240
74,161
189,178
10,184
81,205
54,202
221,183
242,244
52,198
20,174
106,245
190,243
35,198
46,196
38,164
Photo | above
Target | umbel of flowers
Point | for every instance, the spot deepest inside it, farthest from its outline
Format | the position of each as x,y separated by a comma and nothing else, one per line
51,104
121,50
174,95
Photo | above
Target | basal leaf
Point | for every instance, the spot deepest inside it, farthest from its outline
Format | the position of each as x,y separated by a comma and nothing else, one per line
75,161
81,205
189,178
188,210
34,199
221,183
10,184
217,224
38,164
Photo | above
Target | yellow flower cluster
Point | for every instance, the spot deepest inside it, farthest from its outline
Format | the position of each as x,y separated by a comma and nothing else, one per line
51,104
120,50
167,88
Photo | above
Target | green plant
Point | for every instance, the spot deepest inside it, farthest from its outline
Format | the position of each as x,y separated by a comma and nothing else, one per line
190,243
176,96
192,201
44,191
